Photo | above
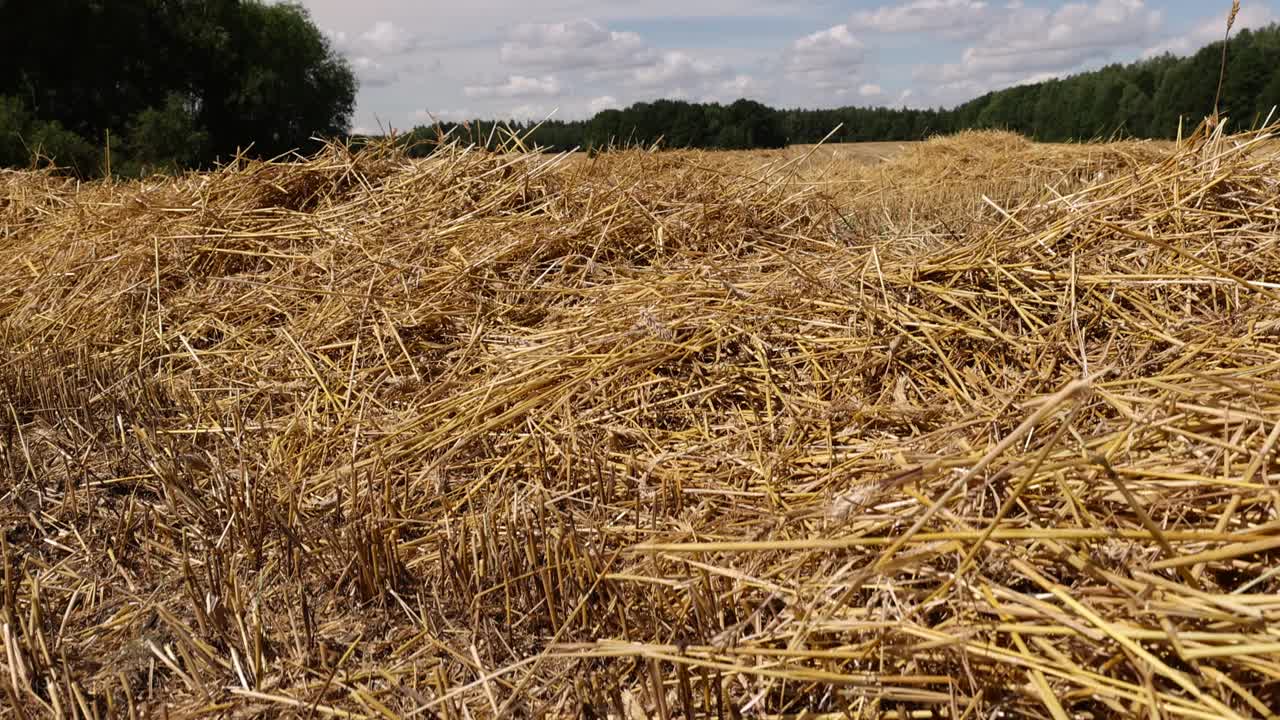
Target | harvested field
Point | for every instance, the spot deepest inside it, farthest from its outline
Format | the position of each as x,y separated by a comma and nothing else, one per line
985,430
845,155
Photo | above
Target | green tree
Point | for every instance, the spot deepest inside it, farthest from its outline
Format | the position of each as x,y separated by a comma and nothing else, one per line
167,137
248,73
1249,70
755,125
1269,99
15,124
26,140
1134,110
283,86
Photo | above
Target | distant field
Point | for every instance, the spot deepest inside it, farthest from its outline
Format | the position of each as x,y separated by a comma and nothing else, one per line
869,153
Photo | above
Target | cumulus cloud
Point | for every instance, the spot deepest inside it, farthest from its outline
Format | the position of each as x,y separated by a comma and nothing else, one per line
605,67
383,39
515,86
820,47
376,74
604,102
387,39
949,17
1029,44
584,64
380,56
1211,29
734,88
574,45
674,68
741,86
826,59
1030,40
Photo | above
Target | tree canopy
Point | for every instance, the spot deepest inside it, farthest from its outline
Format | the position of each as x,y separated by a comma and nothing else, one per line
175,83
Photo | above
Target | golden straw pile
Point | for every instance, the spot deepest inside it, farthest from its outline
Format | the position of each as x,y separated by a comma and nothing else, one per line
953,178
641,436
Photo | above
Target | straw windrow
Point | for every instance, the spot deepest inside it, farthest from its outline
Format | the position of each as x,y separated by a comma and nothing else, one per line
649,434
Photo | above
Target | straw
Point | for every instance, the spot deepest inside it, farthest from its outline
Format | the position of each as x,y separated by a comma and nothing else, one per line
985,429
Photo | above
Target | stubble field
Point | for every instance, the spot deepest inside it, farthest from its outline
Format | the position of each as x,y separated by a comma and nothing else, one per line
966,428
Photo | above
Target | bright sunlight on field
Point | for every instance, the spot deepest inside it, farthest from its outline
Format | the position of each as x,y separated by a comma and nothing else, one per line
972,427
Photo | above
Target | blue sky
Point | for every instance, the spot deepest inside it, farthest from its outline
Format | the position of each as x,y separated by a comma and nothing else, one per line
568,58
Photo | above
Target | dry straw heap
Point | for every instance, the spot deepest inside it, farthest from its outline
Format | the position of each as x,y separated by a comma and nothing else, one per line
645,435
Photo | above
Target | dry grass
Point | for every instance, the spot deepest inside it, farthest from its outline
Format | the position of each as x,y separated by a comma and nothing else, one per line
654,435
838,156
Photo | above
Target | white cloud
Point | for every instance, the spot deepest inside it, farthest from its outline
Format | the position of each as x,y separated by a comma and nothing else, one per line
616,67
375,74
740,86
827,59
384,38
734,88
574,45
585,64
1030,40
378,55
1031,44
1252,15
594,54
949,17
821,46
674,68
515,86
604,102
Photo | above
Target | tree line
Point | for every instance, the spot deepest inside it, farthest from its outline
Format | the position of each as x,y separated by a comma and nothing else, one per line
742,125
1144,99
164,84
